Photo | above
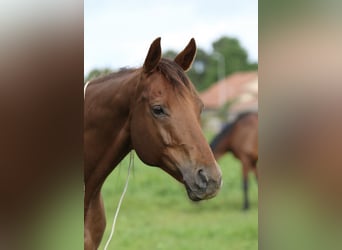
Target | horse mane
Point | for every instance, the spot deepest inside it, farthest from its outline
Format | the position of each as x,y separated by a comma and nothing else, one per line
227,129
112,75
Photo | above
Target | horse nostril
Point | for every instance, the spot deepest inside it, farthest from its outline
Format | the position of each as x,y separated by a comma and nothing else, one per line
203,179
202,175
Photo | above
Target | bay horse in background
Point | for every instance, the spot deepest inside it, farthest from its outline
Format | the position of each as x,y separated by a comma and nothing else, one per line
154,110
240,137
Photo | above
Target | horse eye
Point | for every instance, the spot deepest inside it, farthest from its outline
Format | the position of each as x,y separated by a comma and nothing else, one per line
158,110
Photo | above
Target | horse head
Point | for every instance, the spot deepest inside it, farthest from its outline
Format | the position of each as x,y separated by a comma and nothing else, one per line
165,123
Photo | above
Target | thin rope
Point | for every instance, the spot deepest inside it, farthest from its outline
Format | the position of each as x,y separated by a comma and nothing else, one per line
85,88
131,159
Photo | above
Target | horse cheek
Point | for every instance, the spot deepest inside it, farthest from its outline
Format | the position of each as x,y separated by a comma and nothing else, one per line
142,141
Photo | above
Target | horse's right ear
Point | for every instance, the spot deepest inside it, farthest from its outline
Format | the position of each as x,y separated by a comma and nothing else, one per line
153,56
187,56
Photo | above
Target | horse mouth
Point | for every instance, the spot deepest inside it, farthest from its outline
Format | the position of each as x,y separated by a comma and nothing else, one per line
199,186
198,194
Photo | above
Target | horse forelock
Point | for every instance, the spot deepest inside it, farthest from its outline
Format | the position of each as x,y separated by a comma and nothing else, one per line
176,76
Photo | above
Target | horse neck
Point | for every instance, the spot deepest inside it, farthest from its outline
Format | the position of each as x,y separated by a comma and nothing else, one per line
121,97
107,111
119,92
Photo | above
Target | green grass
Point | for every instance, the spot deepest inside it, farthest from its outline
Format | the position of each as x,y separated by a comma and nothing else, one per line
157,214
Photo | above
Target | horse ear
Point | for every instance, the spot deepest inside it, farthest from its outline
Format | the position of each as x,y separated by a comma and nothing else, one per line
187,56
153,56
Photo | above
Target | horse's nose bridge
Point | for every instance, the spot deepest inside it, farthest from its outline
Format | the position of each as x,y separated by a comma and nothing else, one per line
197,149
204,154
201,156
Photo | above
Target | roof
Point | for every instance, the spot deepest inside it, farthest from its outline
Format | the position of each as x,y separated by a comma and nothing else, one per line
235,86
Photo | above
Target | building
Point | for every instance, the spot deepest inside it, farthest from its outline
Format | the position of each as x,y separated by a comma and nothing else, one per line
239,90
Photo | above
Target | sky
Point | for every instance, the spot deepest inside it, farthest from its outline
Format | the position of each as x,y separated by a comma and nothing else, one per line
118,33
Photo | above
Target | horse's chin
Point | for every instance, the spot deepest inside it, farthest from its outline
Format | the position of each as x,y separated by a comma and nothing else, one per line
192,196
198,195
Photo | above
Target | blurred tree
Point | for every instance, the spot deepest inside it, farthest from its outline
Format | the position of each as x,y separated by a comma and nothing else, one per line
170,54
235,57
200,69
97,73
226,58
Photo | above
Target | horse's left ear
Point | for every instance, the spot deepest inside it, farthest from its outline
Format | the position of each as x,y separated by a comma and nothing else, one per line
187,56
153,56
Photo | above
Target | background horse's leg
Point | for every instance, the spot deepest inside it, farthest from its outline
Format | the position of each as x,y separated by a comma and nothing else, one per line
245,171
255,171
95,224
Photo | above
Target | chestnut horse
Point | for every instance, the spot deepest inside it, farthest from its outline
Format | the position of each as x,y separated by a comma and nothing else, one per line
240,137
154,110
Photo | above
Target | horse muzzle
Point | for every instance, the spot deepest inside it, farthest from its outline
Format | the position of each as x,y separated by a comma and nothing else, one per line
203,185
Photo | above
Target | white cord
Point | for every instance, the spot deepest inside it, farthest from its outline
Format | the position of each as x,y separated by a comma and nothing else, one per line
85,88
120,201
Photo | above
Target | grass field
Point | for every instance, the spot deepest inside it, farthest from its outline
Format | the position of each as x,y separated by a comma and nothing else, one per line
157,214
